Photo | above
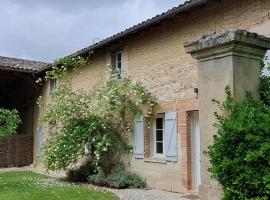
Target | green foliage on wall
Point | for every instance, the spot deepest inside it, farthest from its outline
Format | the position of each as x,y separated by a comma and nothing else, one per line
99,120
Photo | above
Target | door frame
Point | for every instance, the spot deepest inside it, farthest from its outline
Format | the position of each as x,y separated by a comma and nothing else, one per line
195,150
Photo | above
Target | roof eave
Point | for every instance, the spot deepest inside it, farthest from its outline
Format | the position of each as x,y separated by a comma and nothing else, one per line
26,71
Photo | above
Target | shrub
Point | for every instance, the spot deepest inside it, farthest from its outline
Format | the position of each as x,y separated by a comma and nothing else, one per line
240,153
118,178
135,181
9,122
80,174
99,179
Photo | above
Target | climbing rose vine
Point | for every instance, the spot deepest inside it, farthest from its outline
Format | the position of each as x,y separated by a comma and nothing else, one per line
100,120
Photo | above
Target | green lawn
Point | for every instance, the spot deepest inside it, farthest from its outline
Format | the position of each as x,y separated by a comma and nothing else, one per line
32,186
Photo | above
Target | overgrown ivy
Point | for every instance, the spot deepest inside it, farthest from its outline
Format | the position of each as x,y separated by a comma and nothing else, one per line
240,153
99,120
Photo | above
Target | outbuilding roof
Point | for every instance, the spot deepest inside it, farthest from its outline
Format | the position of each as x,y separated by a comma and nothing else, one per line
143,25
29,66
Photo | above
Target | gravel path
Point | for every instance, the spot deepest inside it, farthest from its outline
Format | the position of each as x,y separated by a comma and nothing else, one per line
135,194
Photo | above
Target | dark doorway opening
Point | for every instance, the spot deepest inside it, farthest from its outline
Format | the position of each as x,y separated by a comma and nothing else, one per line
19,91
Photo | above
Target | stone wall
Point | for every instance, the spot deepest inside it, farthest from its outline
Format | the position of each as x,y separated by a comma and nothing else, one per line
16,151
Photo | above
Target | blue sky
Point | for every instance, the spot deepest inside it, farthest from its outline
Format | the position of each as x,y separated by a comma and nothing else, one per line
47,29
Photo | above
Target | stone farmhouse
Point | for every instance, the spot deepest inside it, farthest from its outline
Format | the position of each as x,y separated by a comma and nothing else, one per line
183,75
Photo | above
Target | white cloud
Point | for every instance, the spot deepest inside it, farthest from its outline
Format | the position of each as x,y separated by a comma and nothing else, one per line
47,29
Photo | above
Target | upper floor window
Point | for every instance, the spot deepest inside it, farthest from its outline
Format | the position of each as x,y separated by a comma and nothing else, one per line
119,64
53,84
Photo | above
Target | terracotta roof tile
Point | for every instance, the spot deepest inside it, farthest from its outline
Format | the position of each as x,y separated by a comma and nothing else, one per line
15,64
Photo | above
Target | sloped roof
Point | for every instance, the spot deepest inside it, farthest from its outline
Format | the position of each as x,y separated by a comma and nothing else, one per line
143,25
15,64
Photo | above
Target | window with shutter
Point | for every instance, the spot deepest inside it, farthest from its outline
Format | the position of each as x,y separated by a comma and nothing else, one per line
139,137
158,136
170,136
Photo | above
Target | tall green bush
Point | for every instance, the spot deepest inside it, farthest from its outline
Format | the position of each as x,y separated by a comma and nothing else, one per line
9,122
240,153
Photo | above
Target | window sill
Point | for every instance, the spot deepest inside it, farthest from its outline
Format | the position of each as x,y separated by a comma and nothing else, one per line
155,160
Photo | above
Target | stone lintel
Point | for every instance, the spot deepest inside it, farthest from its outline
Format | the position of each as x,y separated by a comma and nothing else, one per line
228,42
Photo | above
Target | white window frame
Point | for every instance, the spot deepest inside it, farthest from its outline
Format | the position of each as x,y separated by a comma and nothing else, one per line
53,84
119,74
155,154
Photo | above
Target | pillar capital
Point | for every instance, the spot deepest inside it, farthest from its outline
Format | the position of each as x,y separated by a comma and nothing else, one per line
229,42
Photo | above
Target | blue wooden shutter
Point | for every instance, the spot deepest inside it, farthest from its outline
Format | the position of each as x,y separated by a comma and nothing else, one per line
170,136
139,137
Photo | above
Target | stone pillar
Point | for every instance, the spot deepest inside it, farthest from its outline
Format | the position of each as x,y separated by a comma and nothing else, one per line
230,57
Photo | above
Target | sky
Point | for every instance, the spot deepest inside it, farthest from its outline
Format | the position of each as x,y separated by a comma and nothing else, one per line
45,30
